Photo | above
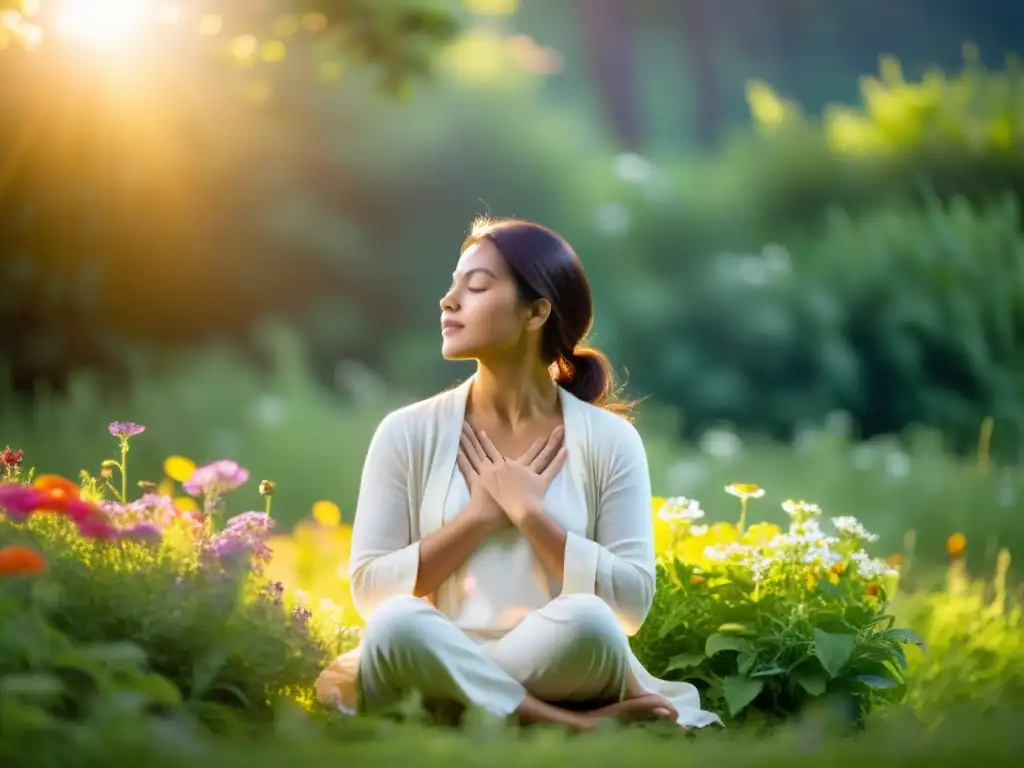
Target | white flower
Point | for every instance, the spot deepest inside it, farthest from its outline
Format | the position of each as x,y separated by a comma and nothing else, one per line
680,508
801,511
869,567
731,553
850,528
698,530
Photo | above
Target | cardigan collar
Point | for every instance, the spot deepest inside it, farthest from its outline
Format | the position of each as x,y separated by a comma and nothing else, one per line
451,416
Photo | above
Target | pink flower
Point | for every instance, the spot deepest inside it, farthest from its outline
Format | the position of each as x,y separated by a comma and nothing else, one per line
216,478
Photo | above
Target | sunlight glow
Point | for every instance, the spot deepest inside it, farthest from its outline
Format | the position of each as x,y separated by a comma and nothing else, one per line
101,21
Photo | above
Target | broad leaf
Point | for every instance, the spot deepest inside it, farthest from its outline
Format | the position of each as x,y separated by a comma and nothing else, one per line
833,650
739,692
719,642
685,661
811,680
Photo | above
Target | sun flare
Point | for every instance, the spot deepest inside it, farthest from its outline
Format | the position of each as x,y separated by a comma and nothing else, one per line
101,21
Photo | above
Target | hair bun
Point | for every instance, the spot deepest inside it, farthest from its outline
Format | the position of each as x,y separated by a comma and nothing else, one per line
587,374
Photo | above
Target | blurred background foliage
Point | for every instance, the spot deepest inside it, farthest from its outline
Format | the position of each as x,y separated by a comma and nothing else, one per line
234,220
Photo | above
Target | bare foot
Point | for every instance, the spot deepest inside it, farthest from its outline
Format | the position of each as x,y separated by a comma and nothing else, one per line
646,707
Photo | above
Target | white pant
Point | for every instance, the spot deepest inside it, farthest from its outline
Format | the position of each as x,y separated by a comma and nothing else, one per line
571,650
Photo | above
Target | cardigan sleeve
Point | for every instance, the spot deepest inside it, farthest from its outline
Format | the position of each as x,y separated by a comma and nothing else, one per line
384,560
618,564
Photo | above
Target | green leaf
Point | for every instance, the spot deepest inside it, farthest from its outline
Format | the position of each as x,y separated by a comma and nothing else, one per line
685,661
736,629
906,636
877,681
769,671
115,653
739,692
719,642
812,681
31,684
833,650
159,690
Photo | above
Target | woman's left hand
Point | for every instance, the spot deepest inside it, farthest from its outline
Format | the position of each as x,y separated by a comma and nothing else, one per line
517,485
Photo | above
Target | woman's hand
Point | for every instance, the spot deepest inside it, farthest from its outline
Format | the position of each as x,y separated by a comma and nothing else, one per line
517,486
481,503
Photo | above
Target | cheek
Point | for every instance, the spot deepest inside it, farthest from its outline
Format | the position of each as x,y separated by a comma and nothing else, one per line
493,320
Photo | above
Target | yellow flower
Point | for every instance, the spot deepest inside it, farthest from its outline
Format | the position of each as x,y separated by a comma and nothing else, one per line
956,545
691,549
759,534
327,514
179,468
186,504
745,490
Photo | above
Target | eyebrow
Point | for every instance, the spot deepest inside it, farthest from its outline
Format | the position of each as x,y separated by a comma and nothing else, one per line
475,270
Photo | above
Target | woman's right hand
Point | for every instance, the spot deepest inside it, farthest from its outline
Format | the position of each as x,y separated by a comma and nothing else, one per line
481,503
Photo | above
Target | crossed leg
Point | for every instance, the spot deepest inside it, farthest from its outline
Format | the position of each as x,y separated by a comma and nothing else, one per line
570,651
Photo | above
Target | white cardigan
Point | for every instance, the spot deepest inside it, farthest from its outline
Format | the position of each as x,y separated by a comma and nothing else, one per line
407,474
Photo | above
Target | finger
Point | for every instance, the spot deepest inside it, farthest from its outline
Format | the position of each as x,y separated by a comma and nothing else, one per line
473,451
474,440
554,443
533,452
492,453
555,466
466,467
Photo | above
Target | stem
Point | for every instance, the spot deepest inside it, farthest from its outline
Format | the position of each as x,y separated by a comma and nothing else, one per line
743,514
268,506
124,474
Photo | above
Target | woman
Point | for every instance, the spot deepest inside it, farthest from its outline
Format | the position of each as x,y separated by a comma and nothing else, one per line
502,548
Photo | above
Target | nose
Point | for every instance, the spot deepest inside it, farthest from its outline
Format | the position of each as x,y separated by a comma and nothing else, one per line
448,303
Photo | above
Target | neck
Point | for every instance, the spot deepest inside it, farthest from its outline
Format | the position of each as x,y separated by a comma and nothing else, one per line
513,392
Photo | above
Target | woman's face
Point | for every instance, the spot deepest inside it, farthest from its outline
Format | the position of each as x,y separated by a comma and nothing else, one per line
481,314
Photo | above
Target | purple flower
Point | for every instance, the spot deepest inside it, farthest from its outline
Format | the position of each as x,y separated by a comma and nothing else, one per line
242,542
125,429
144,532
216,478
301,616
273,592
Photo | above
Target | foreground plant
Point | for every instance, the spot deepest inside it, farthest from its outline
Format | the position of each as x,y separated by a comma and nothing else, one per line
771,620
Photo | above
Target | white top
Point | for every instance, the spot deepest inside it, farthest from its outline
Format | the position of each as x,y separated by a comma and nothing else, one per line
503,581
602,498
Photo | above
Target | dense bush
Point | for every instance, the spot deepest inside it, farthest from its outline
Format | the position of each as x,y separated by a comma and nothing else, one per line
899,316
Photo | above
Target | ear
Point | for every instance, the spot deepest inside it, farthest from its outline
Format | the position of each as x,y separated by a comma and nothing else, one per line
538,313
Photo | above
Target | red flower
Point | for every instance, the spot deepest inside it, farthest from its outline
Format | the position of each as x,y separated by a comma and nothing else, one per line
52,493
11,458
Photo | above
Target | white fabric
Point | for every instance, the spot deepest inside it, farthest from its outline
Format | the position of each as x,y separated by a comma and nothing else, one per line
409,486
571,650
504,581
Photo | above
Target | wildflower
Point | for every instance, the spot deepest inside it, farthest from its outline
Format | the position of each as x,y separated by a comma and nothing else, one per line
273,592
11,459
57,486
20,561
894,559
266,488
143,532
956,545
679,509
124,430
871,590
179,468
216,478
327,514
870,568
801,511
850,529
243,540
745,490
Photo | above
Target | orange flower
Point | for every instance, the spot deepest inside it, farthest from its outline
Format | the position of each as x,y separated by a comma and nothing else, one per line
956,545
695,579
20,561
894,559
57,486
872,590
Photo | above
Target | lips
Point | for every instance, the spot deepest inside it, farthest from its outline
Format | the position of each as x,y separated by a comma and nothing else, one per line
450,326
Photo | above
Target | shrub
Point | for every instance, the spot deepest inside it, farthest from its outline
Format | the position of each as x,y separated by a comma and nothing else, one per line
771,621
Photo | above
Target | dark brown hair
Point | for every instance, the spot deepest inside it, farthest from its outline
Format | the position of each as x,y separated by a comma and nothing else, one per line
545,266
